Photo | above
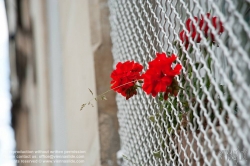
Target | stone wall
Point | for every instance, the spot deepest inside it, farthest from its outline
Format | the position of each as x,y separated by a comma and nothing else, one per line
42,103
23,72
107,110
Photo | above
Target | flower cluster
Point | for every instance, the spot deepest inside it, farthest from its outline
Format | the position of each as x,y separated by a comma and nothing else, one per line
158,78
216,23
203,26
160,74
125,77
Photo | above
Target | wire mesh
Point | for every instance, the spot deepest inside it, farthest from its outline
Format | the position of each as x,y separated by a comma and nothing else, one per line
212,126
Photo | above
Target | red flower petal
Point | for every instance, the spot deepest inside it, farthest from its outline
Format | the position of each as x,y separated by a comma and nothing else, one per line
160,74
124,78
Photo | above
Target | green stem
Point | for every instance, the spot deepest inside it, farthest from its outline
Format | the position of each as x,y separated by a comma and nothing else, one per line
107,92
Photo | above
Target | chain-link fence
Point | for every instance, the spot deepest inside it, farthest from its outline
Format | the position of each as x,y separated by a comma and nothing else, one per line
208,123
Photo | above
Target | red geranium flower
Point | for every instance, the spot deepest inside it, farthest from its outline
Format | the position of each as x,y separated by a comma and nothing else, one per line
184,38
203,26
124,78
217,24
192,29
160,74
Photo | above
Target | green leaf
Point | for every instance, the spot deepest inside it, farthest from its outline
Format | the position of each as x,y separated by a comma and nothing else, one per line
161,97
222,88
209,62
175,42
200,92
197,65
190,70
208,82
168,106
104,97
190,50
175,102
151,118
157,154
196,83
180,116
91,92
169,130
83,106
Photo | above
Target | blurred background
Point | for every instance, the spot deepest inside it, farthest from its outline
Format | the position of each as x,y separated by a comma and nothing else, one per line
51,52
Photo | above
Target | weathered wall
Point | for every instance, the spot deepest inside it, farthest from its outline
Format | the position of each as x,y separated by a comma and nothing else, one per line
23,73
107,110
39,25
59,49
79,75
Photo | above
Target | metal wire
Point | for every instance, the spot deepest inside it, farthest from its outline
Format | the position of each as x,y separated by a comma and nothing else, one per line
214,129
